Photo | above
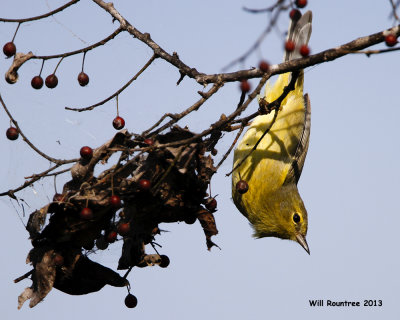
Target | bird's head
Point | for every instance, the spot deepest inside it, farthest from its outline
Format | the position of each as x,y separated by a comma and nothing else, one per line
282,215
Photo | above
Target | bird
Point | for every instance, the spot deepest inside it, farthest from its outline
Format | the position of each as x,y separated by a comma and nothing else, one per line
272,203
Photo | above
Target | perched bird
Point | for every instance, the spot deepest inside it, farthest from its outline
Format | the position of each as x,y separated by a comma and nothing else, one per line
272,203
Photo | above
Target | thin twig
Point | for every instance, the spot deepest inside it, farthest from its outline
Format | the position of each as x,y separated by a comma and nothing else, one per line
257,143
230,148
221,123
175,118
371,52
48,14
275,105
57,161
26,275
259,40
84,50
35,178
394,7
118,91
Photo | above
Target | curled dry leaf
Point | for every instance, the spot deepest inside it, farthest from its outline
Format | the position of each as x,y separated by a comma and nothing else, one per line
178,177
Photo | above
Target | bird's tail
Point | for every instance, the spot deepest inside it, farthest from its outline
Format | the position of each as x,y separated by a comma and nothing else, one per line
299,32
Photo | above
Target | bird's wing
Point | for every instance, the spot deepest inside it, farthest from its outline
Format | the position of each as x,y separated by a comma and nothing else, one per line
299,33
301,151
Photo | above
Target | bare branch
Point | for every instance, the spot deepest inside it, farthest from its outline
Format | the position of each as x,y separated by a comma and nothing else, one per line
56,161
145,38
84,50
194,107
35,178
41,16
297,64
259,39
118,91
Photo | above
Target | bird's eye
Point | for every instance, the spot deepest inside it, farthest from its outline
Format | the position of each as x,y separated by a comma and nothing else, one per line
296,218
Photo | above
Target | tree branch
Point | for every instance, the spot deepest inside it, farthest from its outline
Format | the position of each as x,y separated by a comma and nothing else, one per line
51,159
68,4
118,91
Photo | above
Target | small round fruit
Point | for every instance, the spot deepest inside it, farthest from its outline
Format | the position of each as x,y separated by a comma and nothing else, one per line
164,261
83,79
295,14
118,123
264,66
149,141
101,243
51,81
58,197
9,49
289,46
211,204
190,219
305,50
301,3
144,184
37,82
86,214
123,228
242,186
115,201
390,40
111,236
130,301
58,260
245,86
86,152
88,245
12,133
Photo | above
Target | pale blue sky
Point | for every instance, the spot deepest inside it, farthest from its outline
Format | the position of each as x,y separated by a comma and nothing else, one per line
350,182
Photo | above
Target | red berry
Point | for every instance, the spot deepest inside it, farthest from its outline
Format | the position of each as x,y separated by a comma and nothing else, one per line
101,243
144,184
295,14
37,82
242,186
301,3
51,81
123,228
245,86
390,40
264,66
118,123
58,197
111,237
115,201
130,301
304,50
12,133
289,46
164,261
149,141
58,260
86,152
86,214
9,49
83,79
211,204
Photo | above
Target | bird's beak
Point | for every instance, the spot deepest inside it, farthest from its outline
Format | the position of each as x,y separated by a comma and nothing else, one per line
302,241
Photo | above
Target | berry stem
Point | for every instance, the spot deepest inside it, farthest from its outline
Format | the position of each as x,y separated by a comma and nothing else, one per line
116,97
41,69
83,60
58,65
15,33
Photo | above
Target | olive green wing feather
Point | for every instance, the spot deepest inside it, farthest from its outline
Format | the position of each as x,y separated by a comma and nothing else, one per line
301,151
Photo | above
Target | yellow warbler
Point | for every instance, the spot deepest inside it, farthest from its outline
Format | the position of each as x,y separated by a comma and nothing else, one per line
272,203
